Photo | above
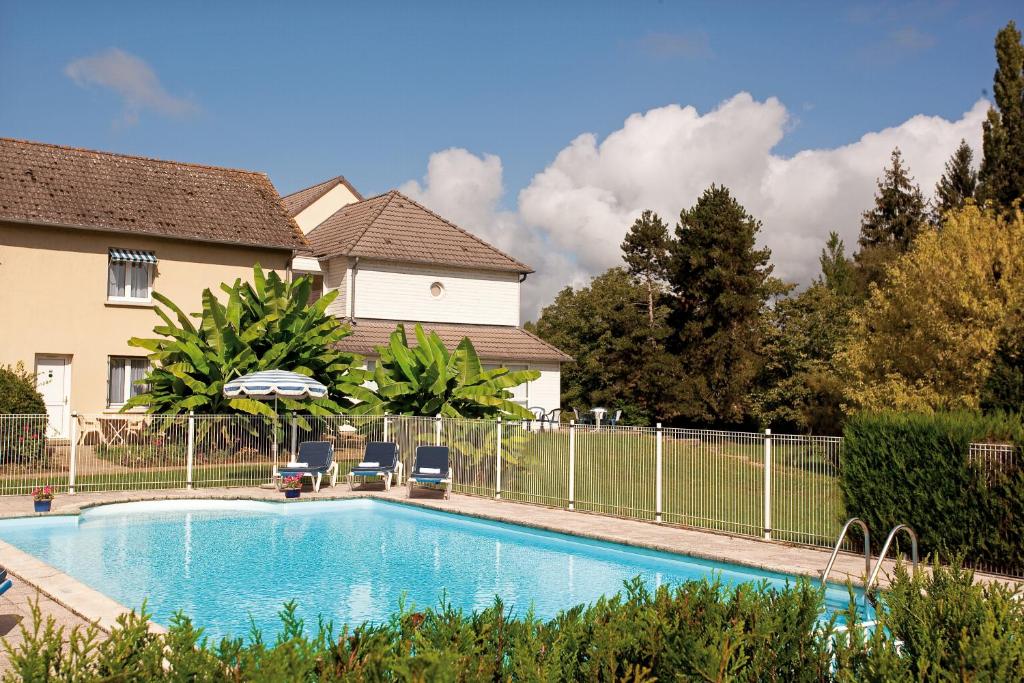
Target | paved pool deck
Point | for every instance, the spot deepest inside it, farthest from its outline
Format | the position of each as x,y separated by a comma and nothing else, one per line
71,602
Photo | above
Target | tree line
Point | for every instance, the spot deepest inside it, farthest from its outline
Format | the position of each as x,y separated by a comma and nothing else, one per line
926,314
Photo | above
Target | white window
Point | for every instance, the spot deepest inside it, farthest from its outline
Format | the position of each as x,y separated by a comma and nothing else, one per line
123,373
130,275
521,393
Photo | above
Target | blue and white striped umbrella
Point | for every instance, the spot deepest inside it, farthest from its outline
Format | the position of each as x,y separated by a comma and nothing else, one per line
273,384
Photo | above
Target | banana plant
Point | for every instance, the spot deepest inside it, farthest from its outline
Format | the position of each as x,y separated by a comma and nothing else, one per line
267,324
427,379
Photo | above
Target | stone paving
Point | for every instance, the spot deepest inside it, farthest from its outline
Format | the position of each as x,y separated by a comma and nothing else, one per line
70,602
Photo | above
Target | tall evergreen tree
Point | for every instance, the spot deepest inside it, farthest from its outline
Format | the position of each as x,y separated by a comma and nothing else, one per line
957,183
889,228
1001,179
836,270
720,283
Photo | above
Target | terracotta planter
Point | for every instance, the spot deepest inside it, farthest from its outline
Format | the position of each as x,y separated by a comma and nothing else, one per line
292,493
42,505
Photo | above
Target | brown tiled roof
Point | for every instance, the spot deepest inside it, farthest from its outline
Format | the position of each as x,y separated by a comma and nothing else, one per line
492,342
393,227
298,201
65,186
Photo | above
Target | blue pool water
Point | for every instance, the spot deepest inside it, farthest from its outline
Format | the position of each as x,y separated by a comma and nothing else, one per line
224,562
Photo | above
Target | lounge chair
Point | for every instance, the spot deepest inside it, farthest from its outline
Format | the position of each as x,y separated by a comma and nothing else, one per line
5,581
431,465
380,459
315,459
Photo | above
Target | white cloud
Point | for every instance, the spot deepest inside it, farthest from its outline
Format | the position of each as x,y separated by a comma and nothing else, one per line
132,79
573,215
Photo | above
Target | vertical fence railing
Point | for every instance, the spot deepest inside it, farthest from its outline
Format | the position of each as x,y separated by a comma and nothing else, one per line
783,487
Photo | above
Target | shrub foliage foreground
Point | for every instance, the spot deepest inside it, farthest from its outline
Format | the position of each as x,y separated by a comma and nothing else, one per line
933,628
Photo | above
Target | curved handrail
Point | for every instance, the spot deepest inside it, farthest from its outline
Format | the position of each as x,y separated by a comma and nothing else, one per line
835,551
885,549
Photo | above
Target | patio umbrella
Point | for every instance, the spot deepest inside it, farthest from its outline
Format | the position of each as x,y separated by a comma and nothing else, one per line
268,384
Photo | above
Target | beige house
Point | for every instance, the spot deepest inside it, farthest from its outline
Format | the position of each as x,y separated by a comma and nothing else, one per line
393,260
86,237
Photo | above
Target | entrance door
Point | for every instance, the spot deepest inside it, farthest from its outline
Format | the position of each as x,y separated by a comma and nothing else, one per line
53,378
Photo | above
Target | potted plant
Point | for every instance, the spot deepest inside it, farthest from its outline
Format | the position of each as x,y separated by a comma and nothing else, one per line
42,498
291,486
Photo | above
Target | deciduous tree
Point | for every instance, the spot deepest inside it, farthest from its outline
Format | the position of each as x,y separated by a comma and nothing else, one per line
928,339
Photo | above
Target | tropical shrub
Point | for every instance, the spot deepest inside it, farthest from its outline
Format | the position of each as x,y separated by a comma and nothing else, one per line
932,627
264,325
915,469
18,392
427,379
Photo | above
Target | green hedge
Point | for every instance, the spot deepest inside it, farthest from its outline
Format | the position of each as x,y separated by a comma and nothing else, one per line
914,469
939,627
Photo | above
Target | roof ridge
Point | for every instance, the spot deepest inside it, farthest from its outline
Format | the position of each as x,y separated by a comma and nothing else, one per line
123,155
463,231
390,194
335,179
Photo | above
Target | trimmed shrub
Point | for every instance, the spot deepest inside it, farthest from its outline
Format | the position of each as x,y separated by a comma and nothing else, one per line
18,393
934,627
915,469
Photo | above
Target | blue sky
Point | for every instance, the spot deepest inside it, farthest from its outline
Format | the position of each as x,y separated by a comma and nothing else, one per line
371,90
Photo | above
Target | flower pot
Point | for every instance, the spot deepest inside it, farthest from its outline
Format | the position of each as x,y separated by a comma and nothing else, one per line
292,493
42,505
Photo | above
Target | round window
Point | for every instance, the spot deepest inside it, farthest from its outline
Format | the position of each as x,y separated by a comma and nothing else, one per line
436,290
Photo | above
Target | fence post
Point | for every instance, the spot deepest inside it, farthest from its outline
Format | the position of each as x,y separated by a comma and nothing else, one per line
572,464
74,452
767,484
437,431
295,435
191,450
497,467
657,473
385,428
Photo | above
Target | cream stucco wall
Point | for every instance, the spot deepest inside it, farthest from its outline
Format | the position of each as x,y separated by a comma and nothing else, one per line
320,210
53,296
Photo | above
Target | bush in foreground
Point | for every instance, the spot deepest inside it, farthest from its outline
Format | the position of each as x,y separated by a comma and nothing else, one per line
934,628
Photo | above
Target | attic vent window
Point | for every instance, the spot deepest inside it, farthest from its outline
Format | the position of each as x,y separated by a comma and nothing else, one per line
437,290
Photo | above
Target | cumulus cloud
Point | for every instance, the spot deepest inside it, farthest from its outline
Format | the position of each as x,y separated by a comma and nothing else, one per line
573,215
132,79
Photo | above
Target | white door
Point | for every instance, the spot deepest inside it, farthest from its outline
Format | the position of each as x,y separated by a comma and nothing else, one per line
53,378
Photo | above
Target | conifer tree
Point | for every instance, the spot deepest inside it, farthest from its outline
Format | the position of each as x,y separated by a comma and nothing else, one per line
836,270
889,228
645,251
720,283
957,183
1001,178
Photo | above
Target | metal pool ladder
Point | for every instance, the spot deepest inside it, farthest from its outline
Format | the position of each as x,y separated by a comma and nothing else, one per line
839,542
872,574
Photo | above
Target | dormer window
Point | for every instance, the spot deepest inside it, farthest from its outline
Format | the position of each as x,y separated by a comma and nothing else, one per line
130,275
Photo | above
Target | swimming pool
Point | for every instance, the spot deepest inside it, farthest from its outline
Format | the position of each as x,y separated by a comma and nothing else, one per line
225,563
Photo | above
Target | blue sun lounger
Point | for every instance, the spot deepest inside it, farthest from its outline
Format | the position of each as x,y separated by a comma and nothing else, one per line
432,465
5,583
380,459
315,460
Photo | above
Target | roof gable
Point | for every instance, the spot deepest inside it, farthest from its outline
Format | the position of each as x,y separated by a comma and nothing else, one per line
393,227
300,200
48,184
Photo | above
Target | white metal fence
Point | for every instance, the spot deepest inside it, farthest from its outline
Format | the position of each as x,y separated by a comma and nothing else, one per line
781,487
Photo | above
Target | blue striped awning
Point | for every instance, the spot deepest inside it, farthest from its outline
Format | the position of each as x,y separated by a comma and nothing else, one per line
132,256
